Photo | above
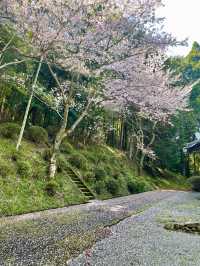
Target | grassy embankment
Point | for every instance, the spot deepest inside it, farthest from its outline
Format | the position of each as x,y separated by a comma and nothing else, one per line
107,172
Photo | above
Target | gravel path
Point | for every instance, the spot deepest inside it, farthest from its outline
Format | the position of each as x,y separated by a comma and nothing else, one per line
142,239
53,237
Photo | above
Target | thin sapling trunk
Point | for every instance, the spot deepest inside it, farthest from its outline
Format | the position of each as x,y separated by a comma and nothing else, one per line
29,104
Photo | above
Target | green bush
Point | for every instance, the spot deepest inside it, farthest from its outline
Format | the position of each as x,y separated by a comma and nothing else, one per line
52,130
40,172
61,163
6,169
79,161
133,187
66,147
99,187
89,175
137,187
195,182
100,173
38,135
24,168
115,174
16,155
9,130
112,186
143,186
51,188
103,157
47,154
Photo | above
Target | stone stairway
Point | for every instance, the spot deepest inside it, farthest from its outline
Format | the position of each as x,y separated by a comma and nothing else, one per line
77,180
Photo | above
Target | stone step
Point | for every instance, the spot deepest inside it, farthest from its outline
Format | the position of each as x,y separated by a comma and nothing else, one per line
81,186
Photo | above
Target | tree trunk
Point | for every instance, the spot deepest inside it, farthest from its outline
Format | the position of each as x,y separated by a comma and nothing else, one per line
131,148
121,134
53,160
29,105
143,155
61,134
2,107
141,164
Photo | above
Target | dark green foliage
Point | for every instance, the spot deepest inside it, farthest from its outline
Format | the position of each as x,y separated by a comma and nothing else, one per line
133,187
9,130
142,187
115,174
24,169
100,173
195,182
52,130
112,186
171,139
47,154
79,161
38,135
99,187
51,188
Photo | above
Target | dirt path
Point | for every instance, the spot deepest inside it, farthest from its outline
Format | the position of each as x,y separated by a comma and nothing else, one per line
53,237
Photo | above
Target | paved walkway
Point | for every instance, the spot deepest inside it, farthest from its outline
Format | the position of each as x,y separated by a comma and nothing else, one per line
142,240
52,237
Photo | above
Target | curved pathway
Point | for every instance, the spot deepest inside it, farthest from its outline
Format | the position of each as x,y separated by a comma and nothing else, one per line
142,240
122,231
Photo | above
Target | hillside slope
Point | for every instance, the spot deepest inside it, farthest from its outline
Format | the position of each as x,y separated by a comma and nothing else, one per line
107,172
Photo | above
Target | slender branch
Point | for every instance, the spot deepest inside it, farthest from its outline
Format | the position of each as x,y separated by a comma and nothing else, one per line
57,81
153,135
81,117
48,105
6,46
13,63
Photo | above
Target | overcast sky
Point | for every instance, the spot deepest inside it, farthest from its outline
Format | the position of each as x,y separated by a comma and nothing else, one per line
183,21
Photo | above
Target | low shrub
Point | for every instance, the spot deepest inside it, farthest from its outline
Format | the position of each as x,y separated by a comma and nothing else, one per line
89,175
16,155
103,157
99,187
51,188
137,187
24,168
61,163
115,174
52,130
195,182
133,187
112,186
100,173
6,169
9,130
38,135
40,172
79,161
66,147
47,154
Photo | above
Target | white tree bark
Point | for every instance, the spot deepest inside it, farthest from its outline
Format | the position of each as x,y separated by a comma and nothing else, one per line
29,105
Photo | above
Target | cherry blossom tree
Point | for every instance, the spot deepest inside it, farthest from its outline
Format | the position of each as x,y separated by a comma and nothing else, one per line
120,31
144,85
84,36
